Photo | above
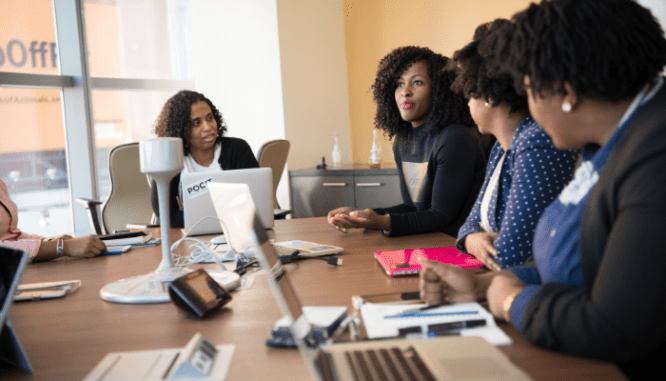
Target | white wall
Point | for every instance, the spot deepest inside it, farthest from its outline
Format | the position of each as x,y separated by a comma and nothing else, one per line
236,60
276,69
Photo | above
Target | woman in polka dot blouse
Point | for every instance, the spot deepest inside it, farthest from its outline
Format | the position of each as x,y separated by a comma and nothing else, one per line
525,172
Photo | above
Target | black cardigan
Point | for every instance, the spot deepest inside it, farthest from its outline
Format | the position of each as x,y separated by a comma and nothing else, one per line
620,314
236,154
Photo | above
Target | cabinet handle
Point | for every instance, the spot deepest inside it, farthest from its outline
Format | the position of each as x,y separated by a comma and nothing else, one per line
369,184
335,184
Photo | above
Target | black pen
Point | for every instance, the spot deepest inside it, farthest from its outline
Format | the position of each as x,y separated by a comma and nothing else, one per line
456,326
428,307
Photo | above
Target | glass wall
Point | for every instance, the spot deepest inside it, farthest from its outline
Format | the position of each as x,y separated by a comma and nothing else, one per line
131,68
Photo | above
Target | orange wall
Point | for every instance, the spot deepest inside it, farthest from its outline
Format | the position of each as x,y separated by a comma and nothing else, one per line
375,27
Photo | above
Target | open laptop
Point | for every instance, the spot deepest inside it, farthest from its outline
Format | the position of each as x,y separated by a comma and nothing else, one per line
197,205
441,358
12,265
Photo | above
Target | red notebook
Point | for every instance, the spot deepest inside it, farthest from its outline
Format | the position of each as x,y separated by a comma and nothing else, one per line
405,262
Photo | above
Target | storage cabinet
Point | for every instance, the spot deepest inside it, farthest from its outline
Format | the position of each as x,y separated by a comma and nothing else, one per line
316,192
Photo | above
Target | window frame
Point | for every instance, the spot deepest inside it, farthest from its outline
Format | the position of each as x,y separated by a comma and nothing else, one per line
76,86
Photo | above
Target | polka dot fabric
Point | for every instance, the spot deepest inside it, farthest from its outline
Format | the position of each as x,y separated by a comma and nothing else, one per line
533,174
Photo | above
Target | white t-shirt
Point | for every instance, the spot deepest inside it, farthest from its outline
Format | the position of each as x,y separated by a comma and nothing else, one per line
190,165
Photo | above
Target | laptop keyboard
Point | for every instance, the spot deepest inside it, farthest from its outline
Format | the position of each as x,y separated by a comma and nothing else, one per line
380,364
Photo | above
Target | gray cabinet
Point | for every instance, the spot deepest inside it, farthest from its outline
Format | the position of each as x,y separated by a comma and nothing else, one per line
316,192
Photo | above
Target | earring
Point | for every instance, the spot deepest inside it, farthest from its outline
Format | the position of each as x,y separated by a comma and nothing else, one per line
487,104
566,107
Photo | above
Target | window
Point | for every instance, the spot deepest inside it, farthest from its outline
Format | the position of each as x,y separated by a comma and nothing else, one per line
61,114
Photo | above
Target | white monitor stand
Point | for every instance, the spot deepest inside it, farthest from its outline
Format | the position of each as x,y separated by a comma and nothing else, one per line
161,159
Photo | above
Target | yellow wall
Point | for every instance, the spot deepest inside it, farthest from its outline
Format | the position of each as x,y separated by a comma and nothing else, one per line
375,27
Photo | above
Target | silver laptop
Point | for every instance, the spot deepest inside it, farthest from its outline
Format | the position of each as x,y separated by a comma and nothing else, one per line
12,265
198,213
441,358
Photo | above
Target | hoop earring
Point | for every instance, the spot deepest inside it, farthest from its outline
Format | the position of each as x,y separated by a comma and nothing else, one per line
566,107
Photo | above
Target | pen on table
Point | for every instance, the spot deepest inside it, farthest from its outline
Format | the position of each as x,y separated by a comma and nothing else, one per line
426,314
442,329
428,307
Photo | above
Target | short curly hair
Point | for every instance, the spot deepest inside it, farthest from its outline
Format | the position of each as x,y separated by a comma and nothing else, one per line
447,107
478,74
606,50
174,119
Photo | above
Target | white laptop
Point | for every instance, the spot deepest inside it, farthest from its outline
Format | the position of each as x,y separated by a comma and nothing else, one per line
197,205
440,358
12,265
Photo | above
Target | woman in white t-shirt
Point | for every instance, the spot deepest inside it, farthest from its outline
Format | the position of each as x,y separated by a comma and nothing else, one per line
193,117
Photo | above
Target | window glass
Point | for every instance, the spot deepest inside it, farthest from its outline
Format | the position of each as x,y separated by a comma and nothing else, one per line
32,148
137,38
27,37
122,116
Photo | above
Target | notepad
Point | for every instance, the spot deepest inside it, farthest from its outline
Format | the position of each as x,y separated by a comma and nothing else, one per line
386,320
406,262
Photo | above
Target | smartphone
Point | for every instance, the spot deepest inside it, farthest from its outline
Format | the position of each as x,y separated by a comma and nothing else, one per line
39,294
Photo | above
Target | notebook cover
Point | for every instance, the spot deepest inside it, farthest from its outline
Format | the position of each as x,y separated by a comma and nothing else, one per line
405,262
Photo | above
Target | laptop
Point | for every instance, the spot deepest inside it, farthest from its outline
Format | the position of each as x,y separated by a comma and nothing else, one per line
12,265
440,358
198,212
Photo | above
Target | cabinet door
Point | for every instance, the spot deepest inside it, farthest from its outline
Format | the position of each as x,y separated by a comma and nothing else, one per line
316,196
377,191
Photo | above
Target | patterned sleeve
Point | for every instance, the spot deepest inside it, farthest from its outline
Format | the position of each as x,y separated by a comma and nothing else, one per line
538,175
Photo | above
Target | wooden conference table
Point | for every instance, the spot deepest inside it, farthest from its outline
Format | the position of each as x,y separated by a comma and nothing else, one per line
65,338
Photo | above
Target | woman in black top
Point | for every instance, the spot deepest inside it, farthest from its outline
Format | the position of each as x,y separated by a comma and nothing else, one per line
193,117
437,151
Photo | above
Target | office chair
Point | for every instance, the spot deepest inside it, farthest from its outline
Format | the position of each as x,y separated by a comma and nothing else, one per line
129,200
273,154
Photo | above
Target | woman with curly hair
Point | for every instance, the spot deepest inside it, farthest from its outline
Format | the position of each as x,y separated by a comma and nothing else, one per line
193,117
592,73
500,229
436,149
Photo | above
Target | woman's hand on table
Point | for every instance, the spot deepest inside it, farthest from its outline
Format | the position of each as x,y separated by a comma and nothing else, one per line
480,245
350,218
87,247
441,283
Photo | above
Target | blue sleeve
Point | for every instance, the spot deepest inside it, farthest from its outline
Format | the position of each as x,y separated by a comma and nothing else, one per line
527,274
538,175
519,304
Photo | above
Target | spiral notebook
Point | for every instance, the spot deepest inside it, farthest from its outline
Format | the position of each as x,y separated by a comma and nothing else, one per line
406,262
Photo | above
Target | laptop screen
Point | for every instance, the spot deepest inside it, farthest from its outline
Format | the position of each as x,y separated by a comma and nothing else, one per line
235,207
12,265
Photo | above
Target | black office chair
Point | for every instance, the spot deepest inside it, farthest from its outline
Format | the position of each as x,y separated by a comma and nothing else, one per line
273,154
129,200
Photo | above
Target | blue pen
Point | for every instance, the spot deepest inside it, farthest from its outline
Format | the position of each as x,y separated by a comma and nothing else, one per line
428,314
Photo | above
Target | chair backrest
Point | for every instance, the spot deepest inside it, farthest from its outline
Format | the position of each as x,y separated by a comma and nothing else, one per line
129,200
273,154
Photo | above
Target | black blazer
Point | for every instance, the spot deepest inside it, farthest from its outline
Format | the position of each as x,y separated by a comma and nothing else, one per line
236,154
620,314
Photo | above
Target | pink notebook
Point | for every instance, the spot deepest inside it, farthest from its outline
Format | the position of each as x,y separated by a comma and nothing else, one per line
405,262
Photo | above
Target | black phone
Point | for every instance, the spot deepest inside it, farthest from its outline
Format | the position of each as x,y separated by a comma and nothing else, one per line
197,293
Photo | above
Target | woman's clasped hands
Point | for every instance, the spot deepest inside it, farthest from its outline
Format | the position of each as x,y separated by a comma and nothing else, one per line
351,218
